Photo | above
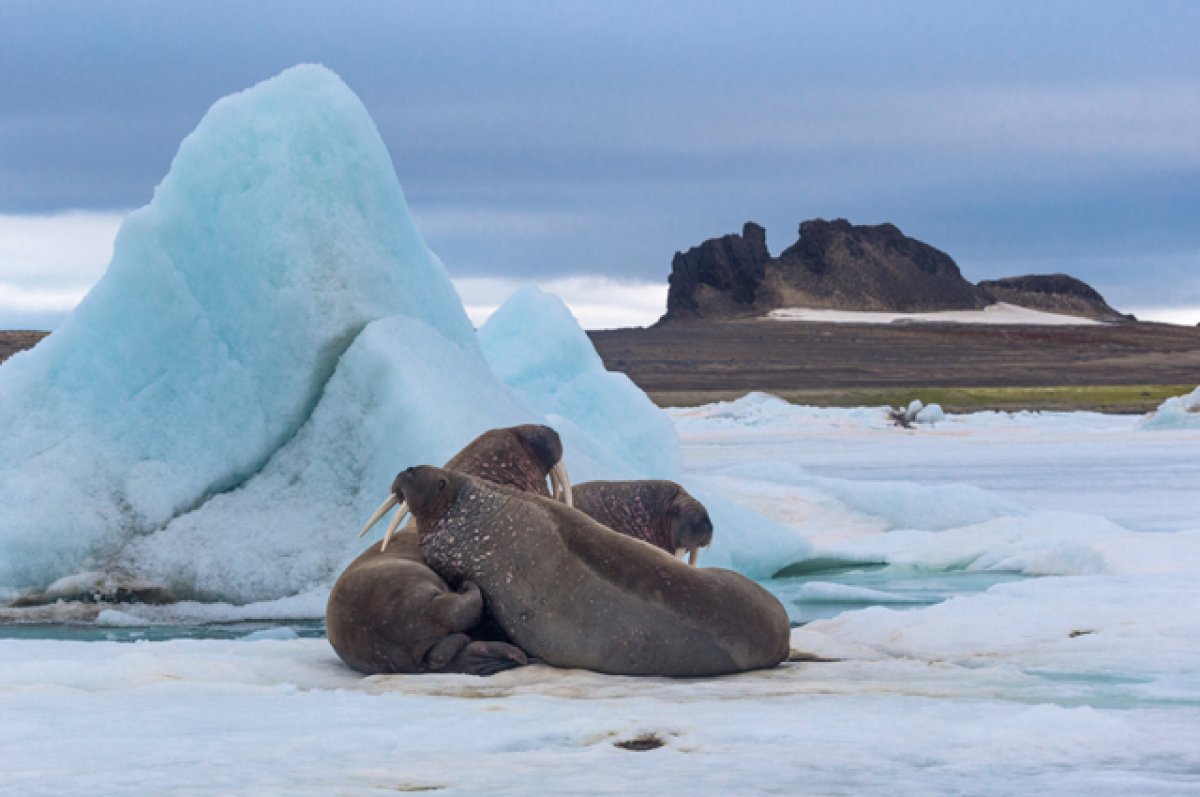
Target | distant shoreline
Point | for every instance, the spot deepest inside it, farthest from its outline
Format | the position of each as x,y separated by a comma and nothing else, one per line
1123,368
1109,399
1127,367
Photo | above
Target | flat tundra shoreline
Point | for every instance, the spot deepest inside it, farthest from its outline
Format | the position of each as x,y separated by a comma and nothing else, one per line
1117,368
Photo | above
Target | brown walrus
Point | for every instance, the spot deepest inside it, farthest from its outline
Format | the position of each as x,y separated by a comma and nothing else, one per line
390,613
574,593
659,512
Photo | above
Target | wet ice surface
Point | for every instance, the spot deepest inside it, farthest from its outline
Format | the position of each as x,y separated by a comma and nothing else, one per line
1011,602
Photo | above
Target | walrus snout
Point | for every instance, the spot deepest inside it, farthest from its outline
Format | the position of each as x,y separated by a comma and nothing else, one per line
546,447
420,487
542,441
691,527
395,498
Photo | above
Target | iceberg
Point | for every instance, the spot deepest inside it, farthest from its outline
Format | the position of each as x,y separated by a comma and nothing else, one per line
279,233
271,343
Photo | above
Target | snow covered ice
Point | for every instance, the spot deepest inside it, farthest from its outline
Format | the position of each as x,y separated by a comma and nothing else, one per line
1019,632
1005,603
1177,412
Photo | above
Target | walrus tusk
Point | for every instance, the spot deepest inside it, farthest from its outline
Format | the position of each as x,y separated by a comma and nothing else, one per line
401,513
560,483
691,554
391,501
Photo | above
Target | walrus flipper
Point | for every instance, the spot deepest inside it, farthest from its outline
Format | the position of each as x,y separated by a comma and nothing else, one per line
458,611
487,658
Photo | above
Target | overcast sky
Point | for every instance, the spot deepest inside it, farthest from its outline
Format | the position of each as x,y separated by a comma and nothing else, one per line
581,145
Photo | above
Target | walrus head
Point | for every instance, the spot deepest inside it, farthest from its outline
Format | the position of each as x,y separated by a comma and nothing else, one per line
518,456
423,489
690,526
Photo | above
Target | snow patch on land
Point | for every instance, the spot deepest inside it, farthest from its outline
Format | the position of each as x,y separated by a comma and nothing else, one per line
999,313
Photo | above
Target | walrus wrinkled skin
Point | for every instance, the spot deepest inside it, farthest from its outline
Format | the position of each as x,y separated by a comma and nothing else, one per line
574,593
659,512
389,612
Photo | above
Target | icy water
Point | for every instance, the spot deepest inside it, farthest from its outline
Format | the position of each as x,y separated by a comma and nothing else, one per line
811,597
298,629
824,594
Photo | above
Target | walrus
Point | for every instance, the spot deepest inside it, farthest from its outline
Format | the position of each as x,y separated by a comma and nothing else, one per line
573,593
390,613
656,511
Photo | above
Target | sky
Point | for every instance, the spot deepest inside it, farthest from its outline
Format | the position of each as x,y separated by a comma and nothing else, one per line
580,145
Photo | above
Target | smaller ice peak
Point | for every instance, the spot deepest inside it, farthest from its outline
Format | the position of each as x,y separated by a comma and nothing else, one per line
535,345
1177,412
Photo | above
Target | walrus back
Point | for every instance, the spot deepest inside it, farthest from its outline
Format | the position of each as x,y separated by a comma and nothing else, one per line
746,621
577,594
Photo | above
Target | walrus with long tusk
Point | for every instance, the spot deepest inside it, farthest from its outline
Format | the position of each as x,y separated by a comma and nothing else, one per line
389,612
574,593
659,512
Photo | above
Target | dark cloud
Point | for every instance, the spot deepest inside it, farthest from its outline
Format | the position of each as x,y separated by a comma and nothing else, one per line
545,139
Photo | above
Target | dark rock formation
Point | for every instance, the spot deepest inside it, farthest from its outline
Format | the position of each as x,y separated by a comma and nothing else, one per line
841,266
1055,293
720,277
833,265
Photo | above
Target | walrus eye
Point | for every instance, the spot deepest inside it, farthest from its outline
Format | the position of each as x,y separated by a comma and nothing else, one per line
441,485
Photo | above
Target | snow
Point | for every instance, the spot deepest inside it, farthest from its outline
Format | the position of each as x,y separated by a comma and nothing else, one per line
271,343
1177,412
930,413
1015,635
999,313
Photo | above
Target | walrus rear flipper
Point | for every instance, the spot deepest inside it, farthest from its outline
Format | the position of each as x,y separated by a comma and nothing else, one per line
487,658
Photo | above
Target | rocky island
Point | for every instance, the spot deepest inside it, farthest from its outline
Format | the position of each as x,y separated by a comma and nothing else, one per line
837,265
731,326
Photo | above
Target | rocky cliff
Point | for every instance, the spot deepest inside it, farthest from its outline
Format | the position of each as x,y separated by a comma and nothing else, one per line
720,277
841,266
1055,293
